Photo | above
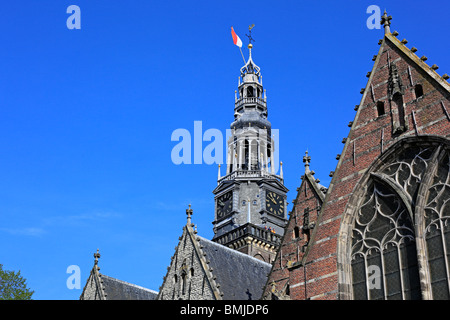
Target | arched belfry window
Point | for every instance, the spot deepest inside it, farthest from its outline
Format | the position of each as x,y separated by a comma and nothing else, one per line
250,92
395,235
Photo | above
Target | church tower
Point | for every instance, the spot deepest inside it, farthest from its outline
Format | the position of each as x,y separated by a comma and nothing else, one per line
250,200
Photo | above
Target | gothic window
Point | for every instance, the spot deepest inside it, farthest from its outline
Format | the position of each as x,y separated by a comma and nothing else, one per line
418,90
437,230
383,241
399,223
380,108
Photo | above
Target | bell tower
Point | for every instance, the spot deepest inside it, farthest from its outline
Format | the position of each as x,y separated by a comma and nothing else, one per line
250,200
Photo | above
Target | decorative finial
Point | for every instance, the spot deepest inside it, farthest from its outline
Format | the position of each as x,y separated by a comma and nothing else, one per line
189,213
306,160
281,169
96,256
386,21
250,39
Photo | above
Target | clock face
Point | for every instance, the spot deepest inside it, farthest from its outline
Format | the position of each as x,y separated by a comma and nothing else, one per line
275,203
224,205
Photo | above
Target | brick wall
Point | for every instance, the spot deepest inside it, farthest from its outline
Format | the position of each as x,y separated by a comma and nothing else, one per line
371,134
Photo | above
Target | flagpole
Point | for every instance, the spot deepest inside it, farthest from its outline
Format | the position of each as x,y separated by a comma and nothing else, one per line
242,55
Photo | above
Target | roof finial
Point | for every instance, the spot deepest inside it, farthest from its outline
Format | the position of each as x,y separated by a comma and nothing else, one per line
306,160
96,256
189,213
386,21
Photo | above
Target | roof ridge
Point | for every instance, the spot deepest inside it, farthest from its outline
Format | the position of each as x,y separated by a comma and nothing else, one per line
233,251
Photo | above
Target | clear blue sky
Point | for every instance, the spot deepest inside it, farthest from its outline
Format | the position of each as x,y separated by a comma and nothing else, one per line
86,116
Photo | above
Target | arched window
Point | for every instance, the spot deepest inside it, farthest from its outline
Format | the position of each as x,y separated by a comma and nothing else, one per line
396,225
418,90
437,229
250,92
383,242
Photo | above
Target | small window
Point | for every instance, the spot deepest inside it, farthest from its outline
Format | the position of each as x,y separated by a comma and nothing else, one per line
296,233
380,108
418,90
243,202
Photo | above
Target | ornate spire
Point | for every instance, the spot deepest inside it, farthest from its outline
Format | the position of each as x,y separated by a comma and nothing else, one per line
250,66
306,160
386,21
189,213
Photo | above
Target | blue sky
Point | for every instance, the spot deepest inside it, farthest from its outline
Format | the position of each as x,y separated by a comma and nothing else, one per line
86,116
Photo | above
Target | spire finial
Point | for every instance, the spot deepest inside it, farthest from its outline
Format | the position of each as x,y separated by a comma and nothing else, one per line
249,35
306,160
250,39
96,256
386,21
189,213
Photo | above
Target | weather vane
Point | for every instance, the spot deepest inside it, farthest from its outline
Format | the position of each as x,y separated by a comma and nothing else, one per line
249,35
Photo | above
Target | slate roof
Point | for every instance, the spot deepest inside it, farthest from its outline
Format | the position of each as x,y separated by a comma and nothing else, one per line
240,276
120,290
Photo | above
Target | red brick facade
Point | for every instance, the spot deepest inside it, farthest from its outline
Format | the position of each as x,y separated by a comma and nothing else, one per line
313,271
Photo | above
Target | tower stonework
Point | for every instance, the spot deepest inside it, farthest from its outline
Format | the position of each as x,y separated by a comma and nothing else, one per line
250,200
383,229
